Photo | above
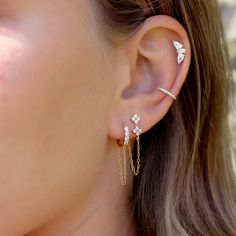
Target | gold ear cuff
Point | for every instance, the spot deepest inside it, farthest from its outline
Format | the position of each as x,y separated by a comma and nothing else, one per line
168,93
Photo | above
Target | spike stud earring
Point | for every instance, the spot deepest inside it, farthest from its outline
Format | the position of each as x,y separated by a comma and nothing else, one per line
180,51
137,131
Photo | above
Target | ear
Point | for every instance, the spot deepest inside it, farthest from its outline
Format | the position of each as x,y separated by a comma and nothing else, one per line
152,62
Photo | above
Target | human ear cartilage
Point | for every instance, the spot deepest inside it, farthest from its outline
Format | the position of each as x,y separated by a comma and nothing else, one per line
181,54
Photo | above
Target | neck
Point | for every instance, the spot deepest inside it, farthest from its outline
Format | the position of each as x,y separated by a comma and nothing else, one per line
105,212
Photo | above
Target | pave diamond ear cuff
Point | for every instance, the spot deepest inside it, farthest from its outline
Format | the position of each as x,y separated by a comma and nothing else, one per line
180,51
168,93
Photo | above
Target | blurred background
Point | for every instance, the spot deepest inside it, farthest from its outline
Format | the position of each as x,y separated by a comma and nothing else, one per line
228,8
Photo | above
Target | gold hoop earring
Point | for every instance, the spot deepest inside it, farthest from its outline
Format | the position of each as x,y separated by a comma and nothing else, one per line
123,166
137,131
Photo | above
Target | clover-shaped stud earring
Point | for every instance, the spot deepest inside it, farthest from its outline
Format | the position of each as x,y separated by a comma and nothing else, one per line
135,119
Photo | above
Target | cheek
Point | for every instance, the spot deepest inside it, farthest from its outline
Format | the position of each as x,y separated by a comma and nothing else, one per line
48,99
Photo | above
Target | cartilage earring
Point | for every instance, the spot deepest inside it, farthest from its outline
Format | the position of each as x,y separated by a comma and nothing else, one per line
180,51
168,93
122,161
137,131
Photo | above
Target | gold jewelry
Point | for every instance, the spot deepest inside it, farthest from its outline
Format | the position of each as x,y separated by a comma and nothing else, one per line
135,119
168,93
123,170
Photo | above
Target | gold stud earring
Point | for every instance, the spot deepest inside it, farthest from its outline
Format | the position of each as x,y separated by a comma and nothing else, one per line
137,131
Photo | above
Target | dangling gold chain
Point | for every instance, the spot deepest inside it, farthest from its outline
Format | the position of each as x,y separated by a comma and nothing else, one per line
136,172
123,173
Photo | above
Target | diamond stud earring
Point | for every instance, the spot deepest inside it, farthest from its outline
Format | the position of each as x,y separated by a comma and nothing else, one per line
135,118
180,51
137,131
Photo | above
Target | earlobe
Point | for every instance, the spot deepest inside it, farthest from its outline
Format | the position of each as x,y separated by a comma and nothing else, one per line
159,57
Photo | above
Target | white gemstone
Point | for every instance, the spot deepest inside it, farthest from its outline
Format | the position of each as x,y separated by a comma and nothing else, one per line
180,58
137,130
177,45
182,51
135,118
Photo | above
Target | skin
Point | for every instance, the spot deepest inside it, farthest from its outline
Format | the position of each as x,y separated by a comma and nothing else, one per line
64,94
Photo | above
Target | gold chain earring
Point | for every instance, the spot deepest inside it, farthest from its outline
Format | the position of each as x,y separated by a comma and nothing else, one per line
135,119
122,161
